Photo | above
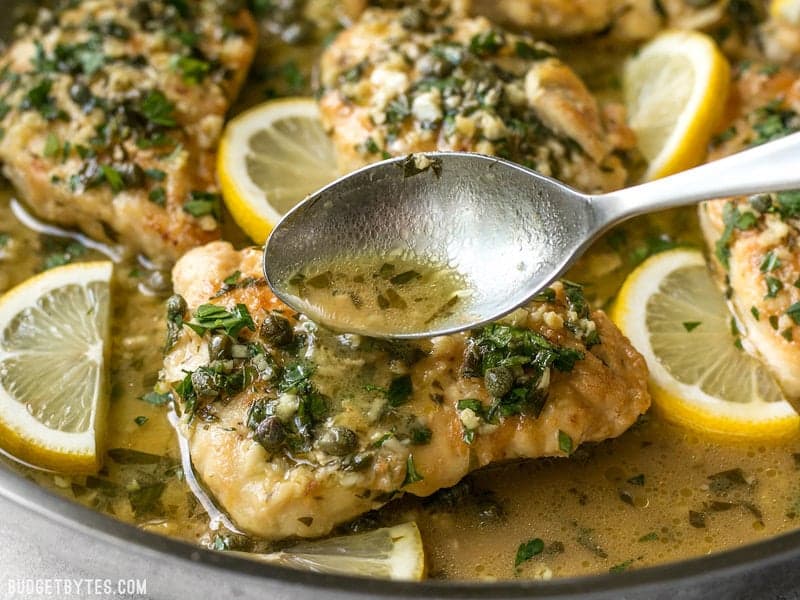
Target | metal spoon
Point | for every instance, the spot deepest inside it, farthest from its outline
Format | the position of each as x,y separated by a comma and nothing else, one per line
508,230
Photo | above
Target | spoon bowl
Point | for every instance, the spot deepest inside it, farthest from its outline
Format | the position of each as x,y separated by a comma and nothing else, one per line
505,229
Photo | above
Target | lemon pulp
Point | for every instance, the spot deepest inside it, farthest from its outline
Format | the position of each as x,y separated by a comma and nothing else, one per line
53,333
700,376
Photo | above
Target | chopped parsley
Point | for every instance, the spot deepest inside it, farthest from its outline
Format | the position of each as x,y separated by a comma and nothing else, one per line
527,550
201,204
773,287
794,312
637,479
400,390
691,325
155,398
770,262
192,69
497,352
52,146
412,475
621,567
157,109
158,196
733,219
61,252
565,443
209,317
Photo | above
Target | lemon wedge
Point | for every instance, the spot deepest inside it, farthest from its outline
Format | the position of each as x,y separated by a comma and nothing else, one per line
53,350
673,313
675,92
389,553
270,158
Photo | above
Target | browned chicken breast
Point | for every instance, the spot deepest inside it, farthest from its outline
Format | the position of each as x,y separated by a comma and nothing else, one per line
295,429
756,240
111,111
622,20
403,81
618,20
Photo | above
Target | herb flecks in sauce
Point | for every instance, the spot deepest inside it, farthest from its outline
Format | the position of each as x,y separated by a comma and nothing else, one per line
381,295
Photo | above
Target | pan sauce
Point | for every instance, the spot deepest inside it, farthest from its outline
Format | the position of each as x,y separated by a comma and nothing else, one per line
658,493
621,504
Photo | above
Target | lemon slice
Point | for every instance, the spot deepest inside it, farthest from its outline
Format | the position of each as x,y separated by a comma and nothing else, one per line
675,92
785,10
676,317
389,553
53,333
270,158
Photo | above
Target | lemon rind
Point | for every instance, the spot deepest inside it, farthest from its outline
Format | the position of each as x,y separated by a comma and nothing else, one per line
687,404
22,435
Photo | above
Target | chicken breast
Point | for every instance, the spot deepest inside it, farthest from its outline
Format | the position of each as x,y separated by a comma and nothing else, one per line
755,241
399,82
111,112
295,429
616,20
619,20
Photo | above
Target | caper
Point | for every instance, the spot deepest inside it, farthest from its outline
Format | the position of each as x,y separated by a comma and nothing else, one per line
276,330
434,66
176,305
498,381
270,433
131,173
359,461
412,18
219,347
80,94
205,383
338,441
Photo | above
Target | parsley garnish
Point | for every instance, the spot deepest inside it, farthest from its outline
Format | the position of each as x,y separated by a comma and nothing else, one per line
788,204
773,287
204,203
770,262
623,566
733,219
507,348
488,42
400,390
412,475
794,312
208,317
157,109
527,51
691,325
192,69
51,146
113,177
564,442
155,398
527,550
158,196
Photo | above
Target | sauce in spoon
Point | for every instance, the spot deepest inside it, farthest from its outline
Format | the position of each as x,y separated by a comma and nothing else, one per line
379,294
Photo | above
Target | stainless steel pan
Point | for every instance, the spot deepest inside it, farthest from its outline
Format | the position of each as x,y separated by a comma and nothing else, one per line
45,536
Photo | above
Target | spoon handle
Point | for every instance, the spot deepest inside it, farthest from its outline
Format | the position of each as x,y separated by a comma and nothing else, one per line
771,167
